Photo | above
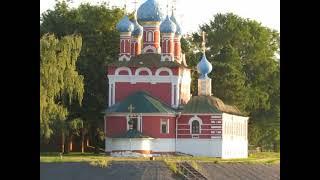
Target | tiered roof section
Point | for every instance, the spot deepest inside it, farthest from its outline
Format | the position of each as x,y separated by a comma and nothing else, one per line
142,103
209,105
147,60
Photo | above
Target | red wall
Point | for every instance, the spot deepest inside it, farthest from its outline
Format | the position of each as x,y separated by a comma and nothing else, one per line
184,119
125,42
206,130
159,90
115,126
157,38
151,126
177,48
155,34
128,42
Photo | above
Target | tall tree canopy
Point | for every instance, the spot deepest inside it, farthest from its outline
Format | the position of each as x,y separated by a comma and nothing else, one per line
60,83
245,70
97,26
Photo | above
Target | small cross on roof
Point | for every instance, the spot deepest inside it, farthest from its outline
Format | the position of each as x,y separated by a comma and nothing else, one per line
203,41
130,108
135,2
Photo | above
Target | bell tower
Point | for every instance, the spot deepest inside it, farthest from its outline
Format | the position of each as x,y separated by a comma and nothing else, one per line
204,67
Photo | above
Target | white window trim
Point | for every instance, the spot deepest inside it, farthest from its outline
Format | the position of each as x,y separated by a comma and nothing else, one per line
167,126
149,36
190,124
138,125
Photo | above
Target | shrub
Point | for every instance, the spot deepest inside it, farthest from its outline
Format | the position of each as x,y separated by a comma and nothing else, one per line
102,163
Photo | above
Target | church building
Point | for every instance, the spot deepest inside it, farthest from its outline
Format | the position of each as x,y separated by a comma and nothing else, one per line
150,107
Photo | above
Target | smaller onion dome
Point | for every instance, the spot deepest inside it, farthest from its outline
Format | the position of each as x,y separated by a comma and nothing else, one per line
168,26
173,19
138,29
125,25
204,67
150,11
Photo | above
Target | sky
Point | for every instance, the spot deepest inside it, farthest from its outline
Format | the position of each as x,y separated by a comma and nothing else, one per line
192,13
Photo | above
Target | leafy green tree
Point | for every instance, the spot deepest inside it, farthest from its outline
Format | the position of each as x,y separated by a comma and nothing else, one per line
75,127
96,24
245,70
60,83
191,51
229,78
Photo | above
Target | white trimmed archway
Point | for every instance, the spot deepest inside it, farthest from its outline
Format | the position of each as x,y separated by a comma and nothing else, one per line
143,69
118,70
195,118
145,50
158,71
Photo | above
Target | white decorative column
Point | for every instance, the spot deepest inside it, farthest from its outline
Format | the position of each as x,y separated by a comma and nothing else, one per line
113,93
172,94
109,97
111,90
177,95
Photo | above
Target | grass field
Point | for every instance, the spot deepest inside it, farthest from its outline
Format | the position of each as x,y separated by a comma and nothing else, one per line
257,158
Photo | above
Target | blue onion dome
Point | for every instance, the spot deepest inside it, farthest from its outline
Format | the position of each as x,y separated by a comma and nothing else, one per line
138,29
150,11
167,26
173,18
125,25
204,67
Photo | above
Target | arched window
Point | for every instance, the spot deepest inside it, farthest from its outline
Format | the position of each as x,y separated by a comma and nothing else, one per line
195,127
150,38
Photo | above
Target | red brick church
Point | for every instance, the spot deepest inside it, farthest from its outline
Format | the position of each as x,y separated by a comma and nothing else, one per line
150,108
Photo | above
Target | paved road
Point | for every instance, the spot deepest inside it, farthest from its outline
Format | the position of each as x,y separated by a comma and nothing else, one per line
238,171
152,170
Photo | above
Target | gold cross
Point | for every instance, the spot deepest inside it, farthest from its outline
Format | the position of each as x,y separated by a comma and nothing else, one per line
135,2
168,7
174,4
125,7
130,108
203,41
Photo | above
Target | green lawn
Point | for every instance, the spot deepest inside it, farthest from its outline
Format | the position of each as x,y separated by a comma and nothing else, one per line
263,157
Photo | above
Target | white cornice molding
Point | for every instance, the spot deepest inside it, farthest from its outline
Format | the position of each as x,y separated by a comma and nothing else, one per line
146,79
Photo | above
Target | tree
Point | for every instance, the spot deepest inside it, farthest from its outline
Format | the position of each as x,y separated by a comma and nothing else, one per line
60,83
229,78
245,70
75,127
96,24
191,51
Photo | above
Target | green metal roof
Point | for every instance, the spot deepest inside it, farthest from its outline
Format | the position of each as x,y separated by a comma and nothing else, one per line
132,133
142,102
209,104
147,60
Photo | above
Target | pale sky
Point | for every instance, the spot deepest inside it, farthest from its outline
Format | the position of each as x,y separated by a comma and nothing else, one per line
192,13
